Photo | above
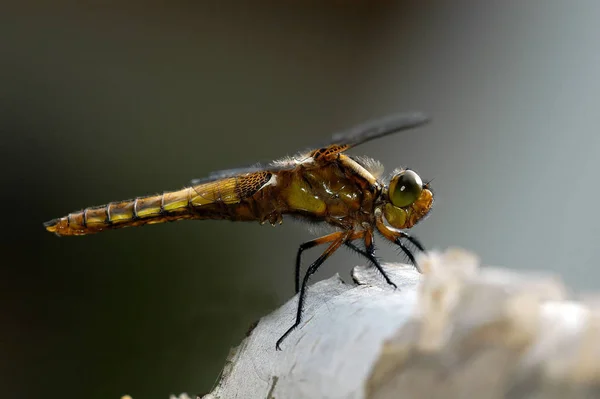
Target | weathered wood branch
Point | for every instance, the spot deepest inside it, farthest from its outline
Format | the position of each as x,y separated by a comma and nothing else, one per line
458,331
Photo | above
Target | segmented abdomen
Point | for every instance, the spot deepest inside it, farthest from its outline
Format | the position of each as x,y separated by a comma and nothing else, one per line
220,199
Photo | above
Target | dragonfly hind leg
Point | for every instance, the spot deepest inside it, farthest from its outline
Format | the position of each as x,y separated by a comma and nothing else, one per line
336,239
303,247
313,243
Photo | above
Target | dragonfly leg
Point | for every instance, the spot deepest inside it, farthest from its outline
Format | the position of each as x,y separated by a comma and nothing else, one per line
370,255
313,243
303,246
407,251
336,239
396,236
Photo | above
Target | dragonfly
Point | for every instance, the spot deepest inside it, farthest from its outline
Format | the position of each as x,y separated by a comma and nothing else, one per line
323,185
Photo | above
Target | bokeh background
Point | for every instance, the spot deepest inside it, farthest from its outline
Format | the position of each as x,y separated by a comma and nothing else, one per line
116,99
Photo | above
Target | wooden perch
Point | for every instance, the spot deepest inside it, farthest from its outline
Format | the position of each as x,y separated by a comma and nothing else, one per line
459,331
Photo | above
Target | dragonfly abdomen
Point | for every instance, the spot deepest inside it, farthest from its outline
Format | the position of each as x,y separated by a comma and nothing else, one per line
227,198
159,208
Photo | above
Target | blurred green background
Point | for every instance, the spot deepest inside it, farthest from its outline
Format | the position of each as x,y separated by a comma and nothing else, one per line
109,101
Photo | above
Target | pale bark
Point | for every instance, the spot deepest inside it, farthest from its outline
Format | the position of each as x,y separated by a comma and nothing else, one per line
458,331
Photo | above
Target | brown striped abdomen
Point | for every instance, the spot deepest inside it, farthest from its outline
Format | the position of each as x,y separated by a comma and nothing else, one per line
227,198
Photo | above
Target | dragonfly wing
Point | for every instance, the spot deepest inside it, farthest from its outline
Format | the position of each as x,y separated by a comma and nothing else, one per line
230,189
225,173
340,142
370,130
221,174
376,128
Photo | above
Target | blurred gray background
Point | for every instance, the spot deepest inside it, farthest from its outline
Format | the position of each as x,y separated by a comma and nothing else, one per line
109,101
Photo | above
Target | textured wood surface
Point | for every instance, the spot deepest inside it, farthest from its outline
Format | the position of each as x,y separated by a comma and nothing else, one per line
458,331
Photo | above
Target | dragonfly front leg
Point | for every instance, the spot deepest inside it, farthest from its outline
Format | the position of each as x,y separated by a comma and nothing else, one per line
407,251
370,255
336,239
396,236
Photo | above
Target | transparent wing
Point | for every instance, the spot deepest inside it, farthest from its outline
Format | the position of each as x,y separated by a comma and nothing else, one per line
340,142
225,173
376,128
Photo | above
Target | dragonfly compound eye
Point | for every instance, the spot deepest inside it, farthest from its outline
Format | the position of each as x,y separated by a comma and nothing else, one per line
405,188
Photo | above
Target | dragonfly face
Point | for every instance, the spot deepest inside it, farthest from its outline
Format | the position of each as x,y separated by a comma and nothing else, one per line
407,200
323,185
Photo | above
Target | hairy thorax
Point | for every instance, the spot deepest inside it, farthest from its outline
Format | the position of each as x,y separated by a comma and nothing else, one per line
328,194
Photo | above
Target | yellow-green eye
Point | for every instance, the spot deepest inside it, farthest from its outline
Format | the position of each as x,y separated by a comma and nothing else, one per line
405,188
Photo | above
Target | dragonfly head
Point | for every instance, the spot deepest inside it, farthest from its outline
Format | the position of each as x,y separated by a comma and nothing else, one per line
407,200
